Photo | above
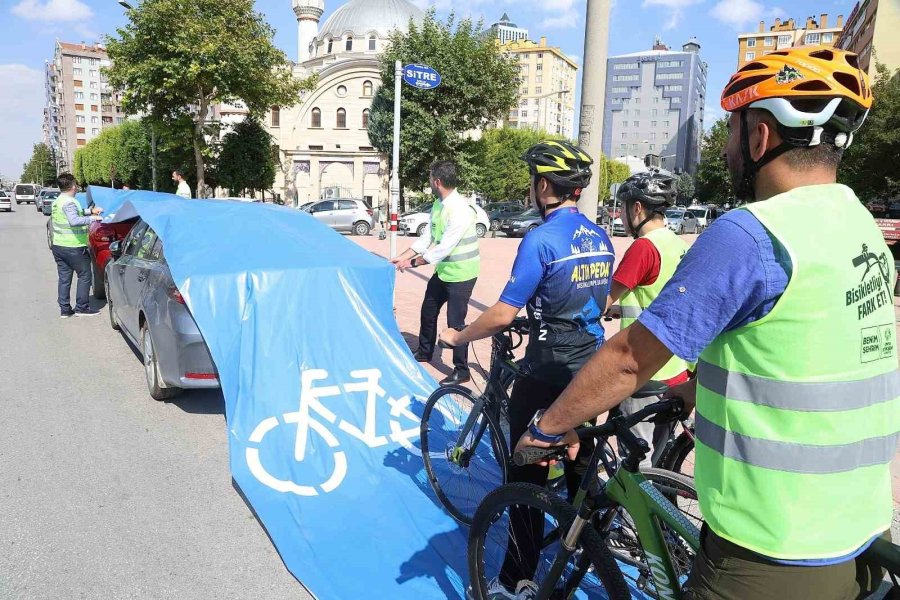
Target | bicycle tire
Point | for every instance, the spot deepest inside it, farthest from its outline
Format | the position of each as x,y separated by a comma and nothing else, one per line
606,570
626,547
461,508
677,454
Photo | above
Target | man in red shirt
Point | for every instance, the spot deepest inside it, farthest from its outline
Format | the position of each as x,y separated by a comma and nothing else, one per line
646,267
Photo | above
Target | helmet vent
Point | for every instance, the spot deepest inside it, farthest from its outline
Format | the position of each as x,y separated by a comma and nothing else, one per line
822,54
743,84
848,81
812,86
754,66
852,60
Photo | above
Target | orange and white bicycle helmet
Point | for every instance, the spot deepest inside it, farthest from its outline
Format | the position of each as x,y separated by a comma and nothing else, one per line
818,94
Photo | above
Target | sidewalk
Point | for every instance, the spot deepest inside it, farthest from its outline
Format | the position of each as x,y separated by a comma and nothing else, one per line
497,256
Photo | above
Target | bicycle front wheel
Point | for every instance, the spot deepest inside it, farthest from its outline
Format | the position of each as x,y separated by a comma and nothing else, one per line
528,552
679,458
465,459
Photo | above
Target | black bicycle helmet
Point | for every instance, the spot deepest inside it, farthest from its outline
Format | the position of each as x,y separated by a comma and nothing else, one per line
652,189
562,162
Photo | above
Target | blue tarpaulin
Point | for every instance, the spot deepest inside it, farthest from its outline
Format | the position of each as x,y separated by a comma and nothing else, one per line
322,396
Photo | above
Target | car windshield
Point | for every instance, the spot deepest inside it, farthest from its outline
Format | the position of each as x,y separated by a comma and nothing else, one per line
674,214
495,206
530,213
51,195
698,212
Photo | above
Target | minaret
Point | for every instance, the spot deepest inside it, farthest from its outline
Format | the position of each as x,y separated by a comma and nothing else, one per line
308,14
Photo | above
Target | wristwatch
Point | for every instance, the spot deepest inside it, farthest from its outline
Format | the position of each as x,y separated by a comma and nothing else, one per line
537,434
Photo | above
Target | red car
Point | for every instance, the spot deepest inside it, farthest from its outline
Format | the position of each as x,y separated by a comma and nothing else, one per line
100,236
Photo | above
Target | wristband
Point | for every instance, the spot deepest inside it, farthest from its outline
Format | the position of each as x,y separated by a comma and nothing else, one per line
539,435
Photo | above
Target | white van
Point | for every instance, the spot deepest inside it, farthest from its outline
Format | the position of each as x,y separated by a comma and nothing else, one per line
26,192
705,215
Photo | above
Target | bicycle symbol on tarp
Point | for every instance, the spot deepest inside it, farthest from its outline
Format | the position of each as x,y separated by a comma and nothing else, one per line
313,415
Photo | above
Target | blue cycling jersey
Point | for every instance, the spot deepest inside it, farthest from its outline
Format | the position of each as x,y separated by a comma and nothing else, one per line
562,275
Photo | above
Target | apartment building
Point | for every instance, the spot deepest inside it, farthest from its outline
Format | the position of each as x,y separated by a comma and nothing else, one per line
79,101
868,33
546,88
785,34
654,105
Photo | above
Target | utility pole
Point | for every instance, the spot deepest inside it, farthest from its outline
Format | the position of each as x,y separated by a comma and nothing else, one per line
593,93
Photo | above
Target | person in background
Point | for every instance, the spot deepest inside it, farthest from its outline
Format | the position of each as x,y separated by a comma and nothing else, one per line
647,266
451,244
70,240
184,190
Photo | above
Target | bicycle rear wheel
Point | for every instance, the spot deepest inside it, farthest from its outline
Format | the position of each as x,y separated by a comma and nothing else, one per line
491,543
623,542
679,458
462,474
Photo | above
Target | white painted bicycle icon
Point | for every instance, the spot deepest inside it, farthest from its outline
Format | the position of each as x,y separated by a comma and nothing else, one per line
311,415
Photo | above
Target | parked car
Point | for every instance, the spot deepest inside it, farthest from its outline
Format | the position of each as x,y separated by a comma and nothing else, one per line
44,201
417,221
5,201
344,214
497,211
705,216
618,227
522,223
100,236
26,192
147,307
682,221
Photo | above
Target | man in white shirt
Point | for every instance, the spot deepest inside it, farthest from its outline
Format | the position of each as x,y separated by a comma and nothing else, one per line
451,244
184,190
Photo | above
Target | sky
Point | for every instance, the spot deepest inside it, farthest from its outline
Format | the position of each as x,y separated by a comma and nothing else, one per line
28,29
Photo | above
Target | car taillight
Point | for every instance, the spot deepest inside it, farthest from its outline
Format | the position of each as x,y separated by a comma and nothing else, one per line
175,295
369,210
199,375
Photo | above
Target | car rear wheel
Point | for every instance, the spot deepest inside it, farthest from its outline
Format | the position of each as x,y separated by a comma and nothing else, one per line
361,228
495,225
99,283
420,231
480,230
151,368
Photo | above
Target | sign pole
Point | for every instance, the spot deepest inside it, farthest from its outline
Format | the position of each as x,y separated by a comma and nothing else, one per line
395,160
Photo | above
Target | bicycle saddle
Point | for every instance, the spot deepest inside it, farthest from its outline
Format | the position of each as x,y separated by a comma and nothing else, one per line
651,389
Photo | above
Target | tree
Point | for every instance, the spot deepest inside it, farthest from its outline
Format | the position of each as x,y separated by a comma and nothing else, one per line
176,58
610,172
246,160
500,174
877,143
713,180
41,167
684,185
478,87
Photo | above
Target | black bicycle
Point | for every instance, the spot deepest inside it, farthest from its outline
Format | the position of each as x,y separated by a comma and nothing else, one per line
463,437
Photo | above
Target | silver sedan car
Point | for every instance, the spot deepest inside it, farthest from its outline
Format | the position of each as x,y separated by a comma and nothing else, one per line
681,221
146,306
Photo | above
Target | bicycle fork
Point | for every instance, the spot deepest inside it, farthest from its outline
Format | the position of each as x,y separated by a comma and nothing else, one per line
460,454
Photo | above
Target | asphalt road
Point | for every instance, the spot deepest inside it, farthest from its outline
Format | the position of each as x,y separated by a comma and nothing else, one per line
105,492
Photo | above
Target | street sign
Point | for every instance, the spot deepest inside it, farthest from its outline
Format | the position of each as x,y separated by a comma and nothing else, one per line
422,77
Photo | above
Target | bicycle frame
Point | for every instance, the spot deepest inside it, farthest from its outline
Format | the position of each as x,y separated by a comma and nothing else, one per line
648,508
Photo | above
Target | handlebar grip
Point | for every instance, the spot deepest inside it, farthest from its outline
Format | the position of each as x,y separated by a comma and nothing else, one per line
445,345
532,455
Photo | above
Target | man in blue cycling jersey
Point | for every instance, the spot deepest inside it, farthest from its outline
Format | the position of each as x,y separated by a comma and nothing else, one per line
561,276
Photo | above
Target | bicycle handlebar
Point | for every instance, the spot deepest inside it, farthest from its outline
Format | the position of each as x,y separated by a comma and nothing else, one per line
519,326
669,409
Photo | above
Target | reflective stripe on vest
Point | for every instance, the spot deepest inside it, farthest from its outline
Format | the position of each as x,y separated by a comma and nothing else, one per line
64,234
464,261
798,413
671,248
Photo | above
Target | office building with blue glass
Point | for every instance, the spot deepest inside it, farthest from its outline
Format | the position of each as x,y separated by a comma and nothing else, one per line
654,105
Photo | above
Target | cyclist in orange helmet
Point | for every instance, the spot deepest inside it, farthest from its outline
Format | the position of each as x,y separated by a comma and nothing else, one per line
786,307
